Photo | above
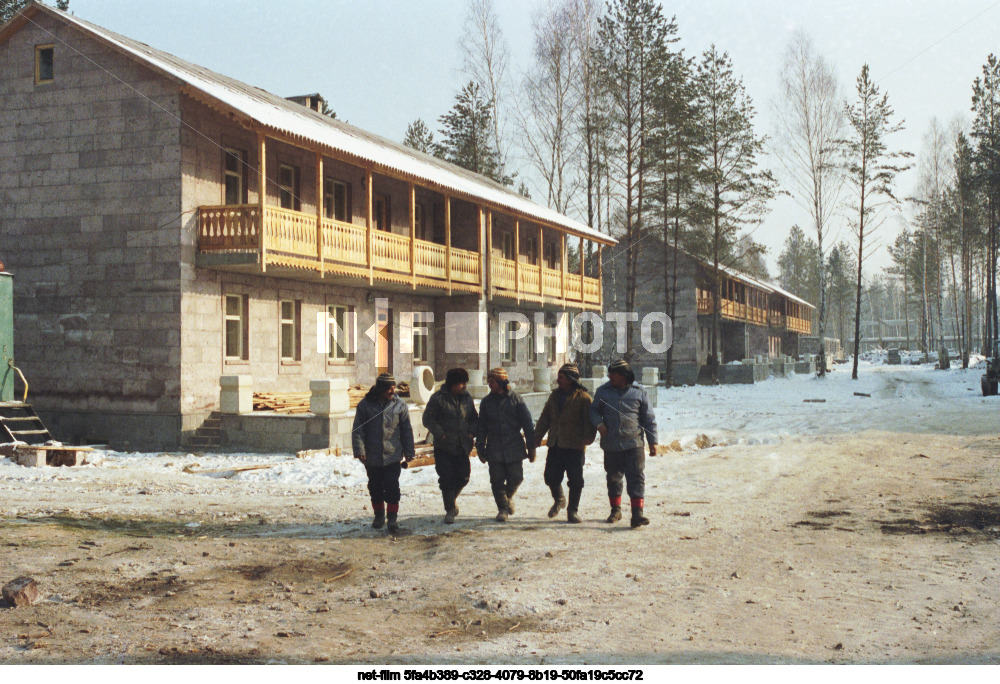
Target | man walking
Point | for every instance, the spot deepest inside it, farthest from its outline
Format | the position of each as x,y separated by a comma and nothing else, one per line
382,438
566,418
450,416
622,416
504,432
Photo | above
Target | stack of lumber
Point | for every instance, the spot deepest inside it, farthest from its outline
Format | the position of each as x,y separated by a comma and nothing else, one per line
281,402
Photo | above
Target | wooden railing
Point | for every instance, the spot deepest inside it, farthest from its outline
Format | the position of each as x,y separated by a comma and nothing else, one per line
431,259
229,227
344,243
751,314
800,325
391,252
289,238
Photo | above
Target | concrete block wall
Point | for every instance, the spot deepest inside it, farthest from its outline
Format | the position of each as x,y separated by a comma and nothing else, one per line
89,207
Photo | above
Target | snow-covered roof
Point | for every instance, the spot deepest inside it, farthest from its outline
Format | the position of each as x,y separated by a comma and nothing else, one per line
754,282
281,115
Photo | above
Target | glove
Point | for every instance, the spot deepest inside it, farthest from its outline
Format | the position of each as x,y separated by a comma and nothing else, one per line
531,456
482,456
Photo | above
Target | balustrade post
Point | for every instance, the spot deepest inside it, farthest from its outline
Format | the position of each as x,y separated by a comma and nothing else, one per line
562,267
262,198
413,236
368,226
517,258
447,239
488,267
541,263
319,212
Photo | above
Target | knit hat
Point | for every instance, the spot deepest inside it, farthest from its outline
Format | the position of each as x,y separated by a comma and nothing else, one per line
384,381
622,368
456,376
498,374
571,371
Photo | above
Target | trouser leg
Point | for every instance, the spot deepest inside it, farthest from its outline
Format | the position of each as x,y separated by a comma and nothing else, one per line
573,461
614,468
498,477
635,472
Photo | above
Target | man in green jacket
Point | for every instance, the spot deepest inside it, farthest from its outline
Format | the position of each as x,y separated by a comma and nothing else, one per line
566,418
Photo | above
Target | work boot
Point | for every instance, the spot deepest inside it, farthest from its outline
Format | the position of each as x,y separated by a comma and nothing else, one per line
503,506
559,499
450,507
616,514
638,519
393,525
379,520
574,505
510,500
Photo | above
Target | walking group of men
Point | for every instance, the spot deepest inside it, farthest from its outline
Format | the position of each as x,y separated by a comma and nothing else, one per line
504,435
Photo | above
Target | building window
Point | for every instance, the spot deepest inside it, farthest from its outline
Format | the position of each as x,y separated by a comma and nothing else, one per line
341,324
508,354
531,249
291,340
288,187
44,63
236,327
550,255
335,200
380,207
507,245
420,344
235,168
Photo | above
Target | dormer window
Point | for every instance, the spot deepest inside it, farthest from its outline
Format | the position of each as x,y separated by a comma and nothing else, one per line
44,64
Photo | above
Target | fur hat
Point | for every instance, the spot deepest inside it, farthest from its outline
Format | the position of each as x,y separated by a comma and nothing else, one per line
571,371
456,376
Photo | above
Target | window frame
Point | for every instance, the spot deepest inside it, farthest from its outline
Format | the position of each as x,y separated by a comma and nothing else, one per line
240,174
242,319
334,354
291,191
507,246
380,214
294,322
39,49
331,186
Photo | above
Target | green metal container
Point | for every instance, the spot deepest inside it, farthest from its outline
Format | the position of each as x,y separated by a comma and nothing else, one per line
6,336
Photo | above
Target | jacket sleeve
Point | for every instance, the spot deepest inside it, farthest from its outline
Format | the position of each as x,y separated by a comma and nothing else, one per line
589,429
596,412
481,430
647,420
473,417
406,434
542,426
358,431
432,418
527,424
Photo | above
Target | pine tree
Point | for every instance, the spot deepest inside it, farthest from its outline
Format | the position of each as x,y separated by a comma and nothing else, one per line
735,190
8,8
871,170
986,131
466,135
419,137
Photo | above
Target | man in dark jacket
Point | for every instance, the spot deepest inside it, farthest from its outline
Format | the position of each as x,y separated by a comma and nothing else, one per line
622,416
505,429
382,438
450,416
566,417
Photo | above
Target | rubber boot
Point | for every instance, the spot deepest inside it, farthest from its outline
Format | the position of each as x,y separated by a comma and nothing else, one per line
616,509
574,505
559,499
500,496
393,525
450,507
379,520
638,519
510,500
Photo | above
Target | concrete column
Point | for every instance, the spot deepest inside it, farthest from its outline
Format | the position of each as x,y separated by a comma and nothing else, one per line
328,396
651,376
236,394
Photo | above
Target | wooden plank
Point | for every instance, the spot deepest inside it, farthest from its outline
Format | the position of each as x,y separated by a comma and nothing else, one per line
447,239
368,224
413,235
262,198
319,211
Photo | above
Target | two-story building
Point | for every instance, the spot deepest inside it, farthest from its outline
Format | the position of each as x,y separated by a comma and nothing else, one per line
168,225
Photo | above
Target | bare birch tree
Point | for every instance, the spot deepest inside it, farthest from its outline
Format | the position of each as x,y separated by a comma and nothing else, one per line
486,58
810,124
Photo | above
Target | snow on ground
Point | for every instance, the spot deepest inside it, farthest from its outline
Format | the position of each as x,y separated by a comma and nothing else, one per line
903,398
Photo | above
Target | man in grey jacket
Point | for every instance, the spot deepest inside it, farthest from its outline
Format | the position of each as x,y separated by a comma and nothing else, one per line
503,437
622,416
382,439
450,416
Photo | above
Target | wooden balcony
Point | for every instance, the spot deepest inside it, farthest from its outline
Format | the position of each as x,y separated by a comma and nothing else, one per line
293,239
296,240
530,282
744,313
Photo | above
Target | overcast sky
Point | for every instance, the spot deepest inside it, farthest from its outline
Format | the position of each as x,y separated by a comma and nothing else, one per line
384,63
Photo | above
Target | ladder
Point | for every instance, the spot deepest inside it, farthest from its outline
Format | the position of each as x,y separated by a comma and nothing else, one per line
20,423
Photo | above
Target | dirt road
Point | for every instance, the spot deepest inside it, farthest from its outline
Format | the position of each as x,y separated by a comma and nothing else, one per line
871,546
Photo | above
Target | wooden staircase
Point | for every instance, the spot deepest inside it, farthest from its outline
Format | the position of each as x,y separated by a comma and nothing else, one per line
20,423
209,435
